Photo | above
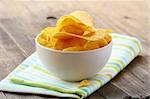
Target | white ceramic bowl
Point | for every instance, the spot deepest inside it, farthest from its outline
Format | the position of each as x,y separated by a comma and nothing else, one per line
73,66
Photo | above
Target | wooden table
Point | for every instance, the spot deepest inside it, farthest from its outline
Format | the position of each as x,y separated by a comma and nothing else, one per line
21,21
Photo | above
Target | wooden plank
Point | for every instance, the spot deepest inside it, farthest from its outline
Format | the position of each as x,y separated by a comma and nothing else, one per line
2,95
8,95
18,96
10,54
108,92
134,80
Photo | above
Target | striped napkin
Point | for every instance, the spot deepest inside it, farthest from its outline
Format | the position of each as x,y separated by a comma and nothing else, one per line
31,77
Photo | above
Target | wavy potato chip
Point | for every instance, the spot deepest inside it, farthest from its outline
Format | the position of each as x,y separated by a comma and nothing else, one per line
42,41
102,43
107,37
84,17
67,19
91,36
62,44
72,25
48,31
91,45
63,35
96,36
50,42
74,29
88,33
46,38
66,35
49,45
53,41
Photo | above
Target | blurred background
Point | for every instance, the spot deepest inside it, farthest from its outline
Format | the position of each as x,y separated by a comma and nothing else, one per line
22,20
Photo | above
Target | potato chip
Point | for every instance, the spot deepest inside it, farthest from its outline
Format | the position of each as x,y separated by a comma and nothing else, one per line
53,41
65,35
47,31
67,19
74,29
47,41
84,17
49,45
62,44
42,41
102,42
108,30
88,33
72,25
91,45
99,34
78,41
107,37
84,83
74,48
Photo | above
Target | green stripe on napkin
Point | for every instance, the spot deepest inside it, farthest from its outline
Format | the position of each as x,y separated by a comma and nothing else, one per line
32,77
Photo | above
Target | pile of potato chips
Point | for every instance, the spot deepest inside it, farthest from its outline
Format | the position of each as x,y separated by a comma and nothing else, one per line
74,32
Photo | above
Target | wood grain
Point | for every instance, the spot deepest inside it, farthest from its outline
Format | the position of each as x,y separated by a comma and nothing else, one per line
22,20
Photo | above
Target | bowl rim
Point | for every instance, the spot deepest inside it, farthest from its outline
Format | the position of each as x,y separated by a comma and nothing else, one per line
73,52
